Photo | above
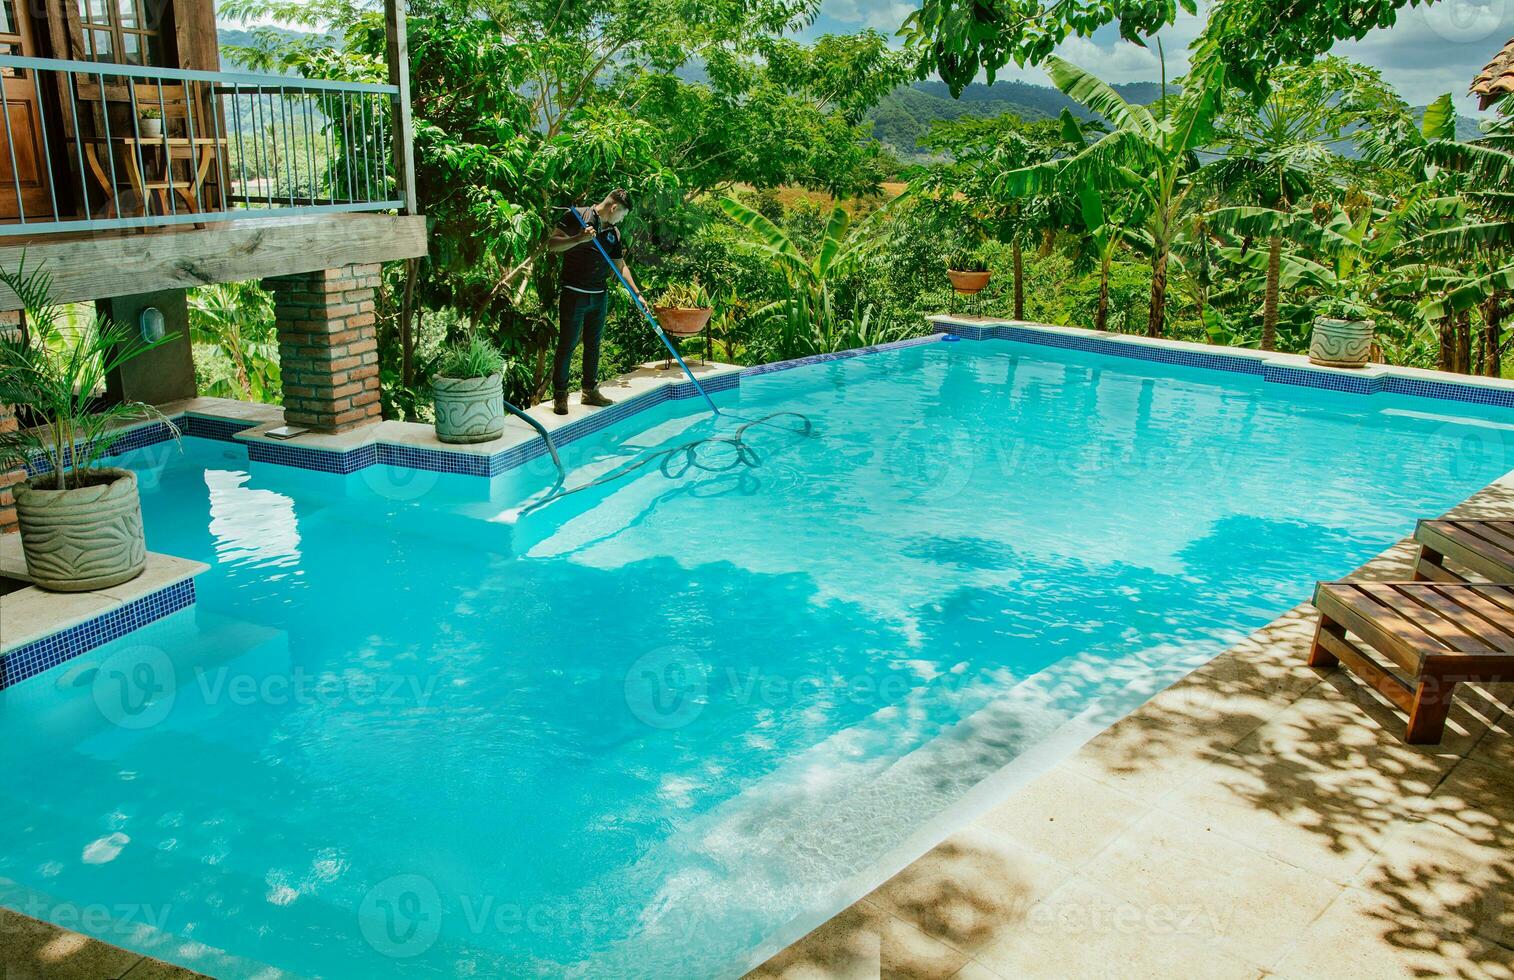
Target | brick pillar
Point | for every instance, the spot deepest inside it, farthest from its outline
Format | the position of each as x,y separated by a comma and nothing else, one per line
9,320
328,347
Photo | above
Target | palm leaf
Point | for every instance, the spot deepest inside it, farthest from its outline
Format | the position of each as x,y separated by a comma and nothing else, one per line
1088,90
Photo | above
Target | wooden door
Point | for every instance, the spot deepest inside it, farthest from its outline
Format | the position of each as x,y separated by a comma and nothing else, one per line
23,184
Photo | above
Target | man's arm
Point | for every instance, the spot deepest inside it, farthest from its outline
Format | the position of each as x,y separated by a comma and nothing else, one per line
561,240
625,270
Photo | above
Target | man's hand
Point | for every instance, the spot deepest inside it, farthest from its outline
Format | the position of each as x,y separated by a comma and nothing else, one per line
587,234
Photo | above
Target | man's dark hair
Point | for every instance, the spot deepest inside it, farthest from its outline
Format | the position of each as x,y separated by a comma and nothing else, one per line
621,197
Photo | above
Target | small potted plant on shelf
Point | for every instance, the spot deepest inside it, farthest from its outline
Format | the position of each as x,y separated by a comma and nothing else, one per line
1342,333
683,309
150,123
968,271
81,523
469,392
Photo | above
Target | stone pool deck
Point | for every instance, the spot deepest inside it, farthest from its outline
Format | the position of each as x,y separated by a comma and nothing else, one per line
1256,819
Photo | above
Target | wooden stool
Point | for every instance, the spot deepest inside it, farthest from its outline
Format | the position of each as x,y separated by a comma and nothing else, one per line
1435,635
1485,547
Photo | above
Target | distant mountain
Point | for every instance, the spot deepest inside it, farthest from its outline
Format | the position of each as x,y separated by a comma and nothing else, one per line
1466,127
240,37
905,115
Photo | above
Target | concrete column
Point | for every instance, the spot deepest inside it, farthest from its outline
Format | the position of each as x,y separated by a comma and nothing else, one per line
328,347
9,320
165,374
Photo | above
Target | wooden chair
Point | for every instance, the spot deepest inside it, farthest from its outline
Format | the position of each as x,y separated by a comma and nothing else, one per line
1433,635
1486,548
153,168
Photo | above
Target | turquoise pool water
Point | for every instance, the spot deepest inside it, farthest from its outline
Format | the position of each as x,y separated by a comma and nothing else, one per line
654,729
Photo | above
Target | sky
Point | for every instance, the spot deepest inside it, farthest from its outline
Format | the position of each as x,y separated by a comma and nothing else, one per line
1430,51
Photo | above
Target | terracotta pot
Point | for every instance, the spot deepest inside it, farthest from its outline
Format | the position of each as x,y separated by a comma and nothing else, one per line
1340,343
82,539
967,283
682,321
469,409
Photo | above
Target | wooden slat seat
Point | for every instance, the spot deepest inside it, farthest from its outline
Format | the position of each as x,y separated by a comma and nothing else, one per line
1433,636
1486,548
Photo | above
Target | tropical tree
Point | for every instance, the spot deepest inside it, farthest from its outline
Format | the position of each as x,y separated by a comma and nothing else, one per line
1151,150
965,194
1483,241
1243,39
808,320
1279,148
231,325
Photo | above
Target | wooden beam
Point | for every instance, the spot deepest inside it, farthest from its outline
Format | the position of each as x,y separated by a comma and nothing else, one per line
399,76
230,251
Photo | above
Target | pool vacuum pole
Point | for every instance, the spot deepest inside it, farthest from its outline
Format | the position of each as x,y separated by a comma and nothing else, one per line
656,327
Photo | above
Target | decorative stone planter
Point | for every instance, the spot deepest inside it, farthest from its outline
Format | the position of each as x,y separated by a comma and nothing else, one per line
469,409
82,539
1340,343
967,283
682,321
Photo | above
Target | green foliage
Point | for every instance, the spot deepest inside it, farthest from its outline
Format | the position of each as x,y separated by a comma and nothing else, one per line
967,260
688,295
472,357
236,345
53,381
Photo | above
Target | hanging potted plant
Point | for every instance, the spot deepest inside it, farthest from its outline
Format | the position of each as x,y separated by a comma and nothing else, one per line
968,271
1342,333
150,123
683,309
469,392
81,523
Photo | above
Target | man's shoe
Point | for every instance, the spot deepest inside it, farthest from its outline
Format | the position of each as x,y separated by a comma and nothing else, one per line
594,398
560,402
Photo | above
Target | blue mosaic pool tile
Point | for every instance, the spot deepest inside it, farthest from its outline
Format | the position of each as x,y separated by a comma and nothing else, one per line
1178,356
303,457
435,460
39,655
146,435
205,427
1449,391
1331,380
761,369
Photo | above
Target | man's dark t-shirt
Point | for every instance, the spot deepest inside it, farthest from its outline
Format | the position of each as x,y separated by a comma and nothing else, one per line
583,268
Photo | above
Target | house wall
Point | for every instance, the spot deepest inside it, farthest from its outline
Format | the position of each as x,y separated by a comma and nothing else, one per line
166,373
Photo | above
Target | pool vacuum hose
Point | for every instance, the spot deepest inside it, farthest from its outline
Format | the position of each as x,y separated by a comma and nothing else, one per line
675,461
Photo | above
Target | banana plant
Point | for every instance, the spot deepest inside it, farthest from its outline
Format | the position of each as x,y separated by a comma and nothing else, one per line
1106,229
1152,150
806,319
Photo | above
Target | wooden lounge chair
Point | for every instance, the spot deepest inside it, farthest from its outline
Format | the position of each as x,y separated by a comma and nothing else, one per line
1483,547
1434,636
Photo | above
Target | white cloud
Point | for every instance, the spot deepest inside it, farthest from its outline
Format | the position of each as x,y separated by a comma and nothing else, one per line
1430,50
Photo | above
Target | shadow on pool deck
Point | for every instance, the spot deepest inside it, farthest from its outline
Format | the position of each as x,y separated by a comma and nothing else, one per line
1257,818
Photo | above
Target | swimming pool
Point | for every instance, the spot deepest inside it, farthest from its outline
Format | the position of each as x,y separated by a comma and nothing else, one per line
654,729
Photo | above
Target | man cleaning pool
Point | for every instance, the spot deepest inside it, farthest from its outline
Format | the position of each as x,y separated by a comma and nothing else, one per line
581,307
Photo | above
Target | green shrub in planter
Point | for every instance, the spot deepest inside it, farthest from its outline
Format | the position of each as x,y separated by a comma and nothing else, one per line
469,392
81,524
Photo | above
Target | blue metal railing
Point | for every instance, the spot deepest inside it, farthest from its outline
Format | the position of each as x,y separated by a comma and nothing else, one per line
123,146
